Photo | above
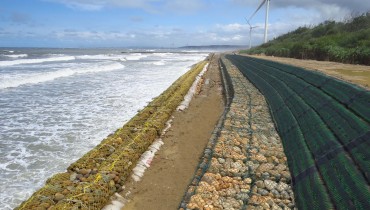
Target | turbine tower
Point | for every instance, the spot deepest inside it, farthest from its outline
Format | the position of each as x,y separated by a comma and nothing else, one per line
267,19
250,34
267,15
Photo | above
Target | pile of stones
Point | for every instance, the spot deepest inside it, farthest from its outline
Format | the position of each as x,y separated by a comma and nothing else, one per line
245,166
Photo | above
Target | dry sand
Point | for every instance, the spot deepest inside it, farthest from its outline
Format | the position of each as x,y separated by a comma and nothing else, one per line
165,182
356,74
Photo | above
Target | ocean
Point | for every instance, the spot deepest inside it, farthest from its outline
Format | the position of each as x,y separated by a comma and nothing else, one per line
57,104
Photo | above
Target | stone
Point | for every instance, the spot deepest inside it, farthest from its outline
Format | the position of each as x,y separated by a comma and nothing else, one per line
242,196
248,180
58,197
283,206
265,167
275,193
262,192
276,207
282,186
265,175
286,175
270,185
112,176
260,158
254,189
84,171
221,160
79,176
265,205
71,188
116,179
237,149
111,183
270,202
275,159
65,192
277,177
285,195
94,171
280,167
45,205
237,165
291,205
259,208
73,176
260,184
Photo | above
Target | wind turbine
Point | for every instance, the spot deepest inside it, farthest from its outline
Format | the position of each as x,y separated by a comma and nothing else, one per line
267,15
250,33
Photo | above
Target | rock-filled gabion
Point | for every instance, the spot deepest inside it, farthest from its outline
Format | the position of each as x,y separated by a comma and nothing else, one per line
89,182
245,166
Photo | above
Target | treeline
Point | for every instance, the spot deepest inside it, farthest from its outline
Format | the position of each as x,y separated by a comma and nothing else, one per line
346,42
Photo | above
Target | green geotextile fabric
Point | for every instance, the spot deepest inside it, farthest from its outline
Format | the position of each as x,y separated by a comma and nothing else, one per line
324,126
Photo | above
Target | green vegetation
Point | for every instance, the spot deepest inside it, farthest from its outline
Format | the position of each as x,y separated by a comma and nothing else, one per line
346,42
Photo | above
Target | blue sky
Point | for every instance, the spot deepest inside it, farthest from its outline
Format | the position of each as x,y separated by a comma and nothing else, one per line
157,23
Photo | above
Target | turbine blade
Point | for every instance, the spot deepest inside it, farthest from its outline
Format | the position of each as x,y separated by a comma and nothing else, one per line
259,7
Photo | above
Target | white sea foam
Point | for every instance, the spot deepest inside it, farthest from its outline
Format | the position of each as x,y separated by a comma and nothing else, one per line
16,56
190,51
115,57
101,57
164,54
135,56
9,51
159,63
19,79
38,60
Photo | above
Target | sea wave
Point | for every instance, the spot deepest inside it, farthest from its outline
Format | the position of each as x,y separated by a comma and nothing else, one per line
123,57
9,51
16,56
159,63
38,60
135,56
102,57
164,54
17,80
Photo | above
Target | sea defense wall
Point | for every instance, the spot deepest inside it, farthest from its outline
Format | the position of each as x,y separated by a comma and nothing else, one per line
90,181
324,125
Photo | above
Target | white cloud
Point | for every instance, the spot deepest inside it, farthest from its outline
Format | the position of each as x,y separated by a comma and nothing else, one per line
233,27
91,35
